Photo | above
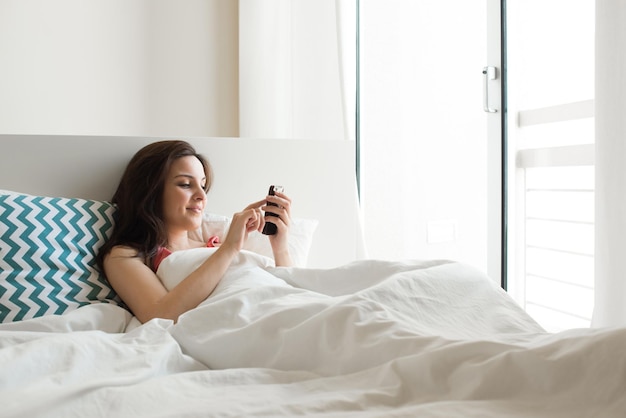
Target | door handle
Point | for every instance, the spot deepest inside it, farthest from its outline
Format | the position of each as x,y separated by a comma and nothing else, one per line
489,73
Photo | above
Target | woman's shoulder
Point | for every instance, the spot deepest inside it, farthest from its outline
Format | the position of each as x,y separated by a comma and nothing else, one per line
122,255
123,251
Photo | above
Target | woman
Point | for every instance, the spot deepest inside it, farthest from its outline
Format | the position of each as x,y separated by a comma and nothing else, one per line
160,198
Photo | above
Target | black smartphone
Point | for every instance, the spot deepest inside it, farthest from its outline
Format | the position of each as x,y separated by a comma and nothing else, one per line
270,228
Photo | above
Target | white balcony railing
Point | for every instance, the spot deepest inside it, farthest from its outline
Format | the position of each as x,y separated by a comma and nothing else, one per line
555,221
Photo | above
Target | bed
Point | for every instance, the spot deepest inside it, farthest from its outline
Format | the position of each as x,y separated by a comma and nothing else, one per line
338,334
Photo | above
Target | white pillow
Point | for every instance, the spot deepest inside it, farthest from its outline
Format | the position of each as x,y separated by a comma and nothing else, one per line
300,236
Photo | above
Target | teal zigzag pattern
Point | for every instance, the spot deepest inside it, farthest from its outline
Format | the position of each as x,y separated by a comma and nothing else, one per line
47,255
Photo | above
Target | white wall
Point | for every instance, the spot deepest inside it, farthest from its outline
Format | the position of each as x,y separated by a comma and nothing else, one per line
119,67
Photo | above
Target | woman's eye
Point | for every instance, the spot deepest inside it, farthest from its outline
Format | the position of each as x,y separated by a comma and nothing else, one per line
185,185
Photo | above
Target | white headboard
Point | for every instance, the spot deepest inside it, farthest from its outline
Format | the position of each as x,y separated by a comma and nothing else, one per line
318,175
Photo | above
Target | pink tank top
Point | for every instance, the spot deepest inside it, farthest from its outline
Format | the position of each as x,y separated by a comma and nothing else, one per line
163,252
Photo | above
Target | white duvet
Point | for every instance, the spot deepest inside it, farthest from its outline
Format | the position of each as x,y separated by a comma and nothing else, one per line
370,338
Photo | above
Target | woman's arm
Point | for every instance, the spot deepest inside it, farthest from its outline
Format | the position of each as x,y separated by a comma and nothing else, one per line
142,291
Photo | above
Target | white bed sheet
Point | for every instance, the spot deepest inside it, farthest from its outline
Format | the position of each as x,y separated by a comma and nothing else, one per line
370,338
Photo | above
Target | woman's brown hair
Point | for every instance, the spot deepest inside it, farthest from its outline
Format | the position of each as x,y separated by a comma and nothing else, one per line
139,198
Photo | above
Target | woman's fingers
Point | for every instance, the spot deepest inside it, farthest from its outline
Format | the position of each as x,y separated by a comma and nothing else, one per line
244,222
281,200
253,217
255,221
256,205
280,205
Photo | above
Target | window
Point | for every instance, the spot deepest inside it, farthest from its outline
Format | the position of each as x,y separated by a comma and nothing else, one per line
551,180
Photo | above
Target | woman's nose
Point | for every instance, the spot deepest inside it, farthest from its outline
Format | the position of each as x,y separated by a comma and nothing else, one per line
200,194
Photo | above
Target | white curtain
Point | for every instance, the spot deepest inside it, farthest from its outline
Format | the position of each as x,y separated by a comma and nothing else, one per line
297,72
295,69
610,114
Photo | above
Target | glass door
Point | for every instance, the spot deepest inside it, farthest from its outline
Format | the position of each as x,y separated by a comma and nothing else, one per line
550,50
430,130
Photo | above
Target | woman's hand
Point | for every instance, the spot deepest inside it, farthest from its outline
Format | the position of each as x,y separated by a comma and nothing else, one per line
282,220
248,220
252,219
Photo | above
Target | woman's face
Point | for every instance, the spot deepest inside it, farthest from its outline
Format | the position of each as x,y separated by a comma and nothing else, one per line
183,194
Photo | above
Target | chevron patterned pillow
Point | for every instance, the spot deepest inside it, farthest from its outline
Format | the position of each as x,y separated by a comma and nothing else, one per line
47,255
